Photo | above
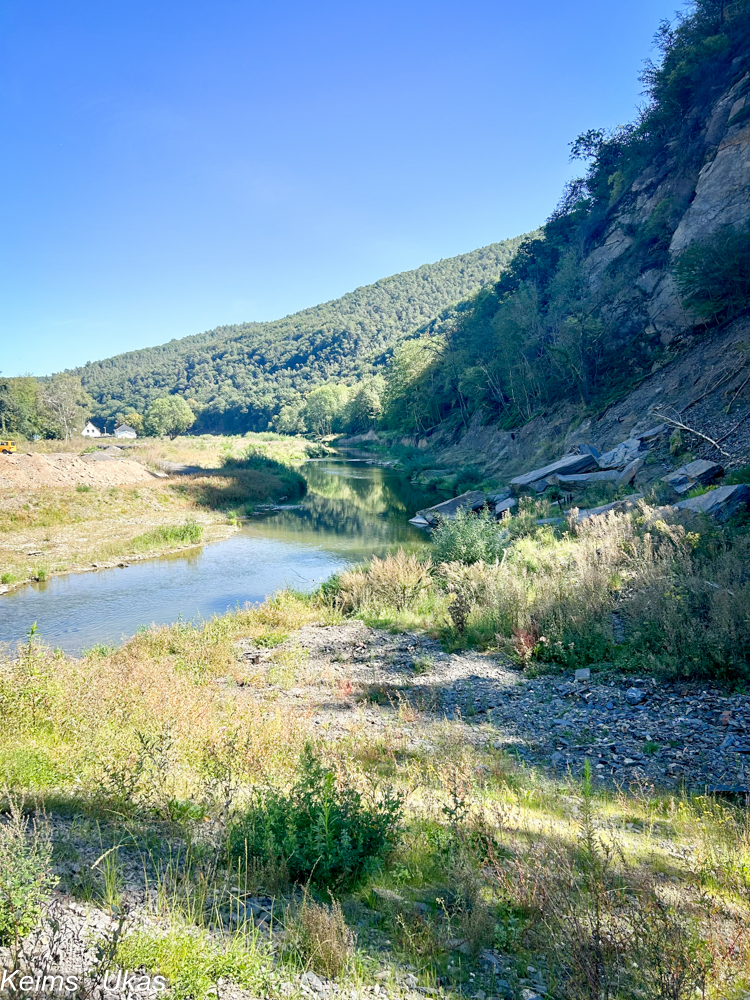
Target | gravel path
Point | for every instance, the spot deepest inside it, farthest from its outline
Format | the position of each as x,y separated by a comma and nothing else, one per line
632,729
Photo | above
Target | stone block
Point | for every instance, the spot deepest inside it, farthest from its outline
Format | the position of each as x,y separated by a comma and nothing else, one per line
582,478
621,455
700,471
568,464
721,503
471,500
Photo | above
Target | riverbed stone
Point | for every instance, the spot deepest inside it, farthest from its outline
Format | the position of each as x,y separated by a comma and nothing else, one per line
634,696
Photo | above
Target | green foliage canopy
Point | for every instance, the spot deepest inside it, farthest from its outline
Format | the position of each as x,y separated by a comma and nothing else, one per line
169,415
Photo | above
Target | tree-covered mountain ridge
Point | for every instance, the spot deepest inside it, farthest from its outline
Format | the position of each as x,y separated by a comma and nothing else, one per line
238,377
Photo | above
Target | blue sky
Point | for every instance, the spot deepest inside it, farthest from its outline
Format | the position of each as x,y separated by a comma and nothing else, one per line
168,167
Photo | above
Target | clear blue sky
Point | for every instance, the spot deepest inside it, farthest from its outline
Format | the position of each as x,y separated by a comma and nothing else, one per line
168,166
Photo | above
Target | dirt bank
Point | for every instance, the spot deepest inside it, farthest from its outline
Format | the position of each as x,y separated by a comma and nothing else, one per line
32,471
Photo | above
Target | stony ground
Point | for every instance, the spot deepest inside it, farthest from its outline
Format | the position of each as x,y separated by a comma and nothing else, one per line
634,730
83,924
349,680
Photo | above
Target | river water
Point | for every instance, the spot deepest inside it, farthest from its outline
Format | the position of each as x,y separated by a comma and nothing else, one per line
352,509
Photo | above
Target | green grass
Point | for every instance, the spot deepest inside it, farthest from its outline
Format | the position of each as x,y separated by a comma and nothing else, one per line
190,533
192,960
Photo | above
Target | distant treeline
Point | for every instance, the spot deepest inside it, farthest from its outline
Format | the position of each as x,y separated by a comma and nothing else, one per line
239,378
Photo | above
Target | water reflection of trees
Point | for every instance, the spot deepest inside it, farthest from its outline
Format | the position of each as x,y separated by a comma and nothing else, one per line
369,488
326,516
358,508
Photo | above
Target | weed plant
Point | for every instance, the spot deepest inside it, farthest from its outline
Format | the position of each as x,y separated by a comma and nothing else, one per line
323,830
25,872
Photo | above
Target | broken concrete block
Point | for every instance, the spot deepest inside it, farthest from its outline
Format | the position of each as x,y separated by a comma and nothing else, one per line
630,471
471,500
699,471
567,464
581,478
721,503
621,455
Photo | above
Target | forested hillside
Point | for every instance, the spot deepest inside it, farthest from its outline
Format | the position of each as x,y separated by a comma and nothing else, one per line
237,378
647,251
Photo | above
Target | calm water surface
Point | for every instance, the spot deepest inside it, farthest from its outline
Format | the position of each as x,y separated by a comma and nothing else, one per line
352,509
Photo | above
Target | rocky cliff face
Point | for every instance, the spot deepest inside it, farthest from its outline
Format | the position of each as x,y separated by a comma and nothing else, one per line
705,374
707,385
700,186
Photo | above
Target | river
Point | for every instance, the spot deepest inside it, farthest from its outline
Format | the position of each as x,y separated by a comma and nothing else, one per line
352,509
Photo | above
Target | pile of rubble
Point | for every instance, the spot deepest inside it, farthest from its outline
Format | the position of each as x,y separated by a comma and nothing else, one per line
619,466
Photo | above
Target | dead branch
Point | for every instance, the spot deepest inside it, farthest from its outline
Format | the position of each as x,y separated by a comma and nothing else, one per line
726,376
734,397
733,429
691,430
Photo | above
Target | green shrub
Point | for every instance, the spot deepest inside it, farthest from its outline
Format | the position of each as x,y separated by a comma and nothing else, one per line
469,538
713,275
293,483
25,873
83,488
242,482
322,829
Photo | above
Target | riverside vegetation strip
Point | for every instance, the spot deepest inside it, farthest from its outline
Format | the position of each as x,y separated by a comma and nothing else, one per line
68,520
199,781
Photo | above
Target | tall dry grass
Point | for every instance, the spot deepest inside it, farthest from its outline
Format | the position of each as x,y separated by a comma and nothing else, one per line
147,721
655,595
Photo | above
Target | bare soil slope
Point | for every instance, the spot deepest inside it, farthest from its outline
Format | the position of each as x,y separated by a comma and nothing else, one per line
65,470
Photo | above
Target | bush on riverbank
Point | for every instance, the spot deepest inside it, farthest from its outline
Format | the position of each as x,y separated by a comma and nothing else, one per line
321,833
246,481
629,588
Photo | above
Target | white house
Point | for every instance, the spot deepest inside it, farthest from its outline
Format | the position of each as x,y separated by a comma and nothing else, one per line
125,431
91,431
